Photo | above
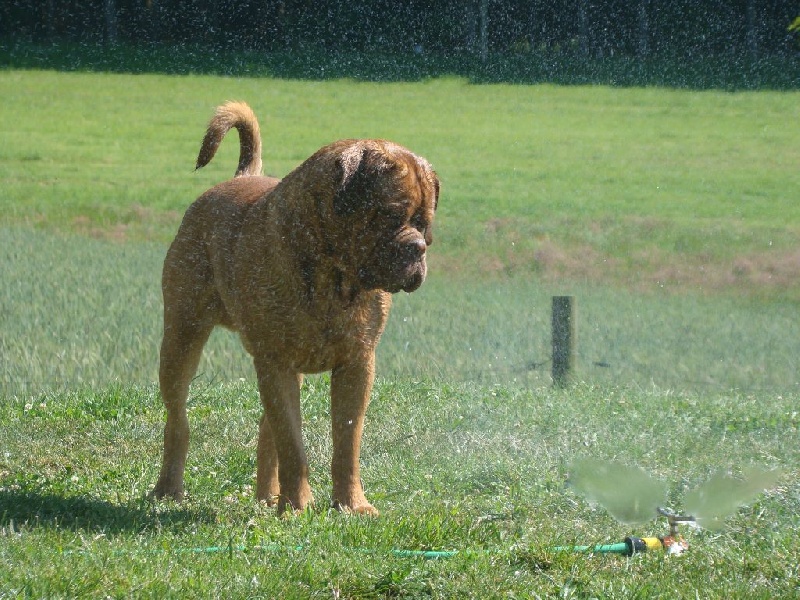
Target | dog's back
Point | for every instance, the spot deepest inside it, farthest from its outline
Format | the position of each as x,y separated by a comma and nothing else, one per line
198,263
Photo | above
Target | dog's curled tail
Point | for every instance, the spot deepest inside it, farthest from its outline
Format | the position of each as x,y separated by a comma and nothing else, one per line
240,116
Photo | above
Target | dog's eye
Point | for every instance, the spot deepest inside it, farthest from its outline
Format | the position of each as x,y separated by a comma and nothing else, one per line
419,223
392,212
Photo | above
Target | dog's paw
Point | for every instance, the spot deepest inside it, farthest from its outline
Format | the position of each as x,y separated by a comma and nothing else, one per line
296,503
268,492
287,509
169,492
360,508
271,501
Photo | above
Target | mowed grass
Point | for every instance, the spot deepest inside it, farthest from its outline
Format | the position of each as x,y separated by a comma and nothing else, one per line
669,215
85,312
457,467
646,187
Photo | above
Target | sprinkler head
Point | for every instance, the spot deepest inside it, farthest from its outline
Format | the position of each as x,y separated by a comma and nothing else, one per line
674,520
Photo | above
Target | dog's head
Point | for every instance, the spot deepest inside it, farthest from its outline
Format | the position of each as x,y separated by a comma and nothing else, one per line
389,195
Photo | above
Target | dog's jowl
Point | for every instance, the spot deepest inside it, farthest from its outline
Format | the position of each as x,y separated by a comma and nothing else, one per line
303,269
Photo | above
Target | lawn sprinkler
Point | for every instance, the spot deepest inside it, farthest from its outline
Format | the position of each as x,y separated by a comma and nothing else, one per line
634,497
673,543
630,495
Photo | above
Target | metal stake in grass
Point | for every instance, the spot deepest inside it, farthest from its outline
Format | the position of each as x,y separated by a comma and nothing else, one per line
632,497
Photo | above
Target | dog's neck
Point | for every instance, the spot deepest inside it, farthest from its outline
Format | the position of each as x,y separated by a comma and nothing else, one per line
314,267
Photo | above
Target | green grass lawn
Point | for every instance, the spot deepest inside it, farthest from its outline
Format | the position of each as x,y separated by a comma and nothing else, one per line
479,470
669,215
87,312
645,187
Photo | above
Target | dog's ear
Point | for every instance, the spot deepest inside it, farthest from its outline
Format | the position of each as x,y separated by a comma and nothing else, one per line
360,167
431,176
352,181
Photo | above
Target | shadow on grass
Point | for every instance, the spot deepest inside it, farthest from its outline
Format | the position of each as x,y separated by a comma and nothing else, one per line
726,71
32,509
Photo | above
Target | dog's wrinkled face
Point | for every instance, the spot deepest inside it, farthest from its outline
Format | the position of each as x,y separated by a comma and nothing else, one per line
396,193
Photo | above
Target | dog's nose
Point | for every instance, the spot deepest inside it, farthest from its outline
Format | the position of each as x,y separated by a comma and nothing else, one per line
418,247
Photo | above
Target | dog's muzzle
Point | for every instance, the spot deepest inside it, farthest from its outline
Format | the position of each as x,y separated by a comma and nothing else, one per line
414,250
413,265
398,267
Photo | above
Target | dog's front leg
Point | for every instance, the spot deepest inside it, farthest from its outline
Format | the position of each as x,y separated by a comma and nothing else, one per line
282,422
351,386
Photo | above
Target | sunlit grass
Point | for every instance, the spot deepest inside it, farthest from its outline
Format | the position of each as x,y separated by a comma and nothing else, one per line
576,182
473,469
667,214
88,312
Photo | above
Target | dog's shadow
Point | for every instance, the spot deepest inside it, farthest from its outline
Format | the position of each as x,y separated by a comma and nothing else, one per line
30,509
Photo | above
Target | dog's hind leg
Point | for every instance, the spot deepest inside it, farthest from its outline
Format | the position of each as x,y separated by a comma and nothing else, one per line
267,487
191,310
181,350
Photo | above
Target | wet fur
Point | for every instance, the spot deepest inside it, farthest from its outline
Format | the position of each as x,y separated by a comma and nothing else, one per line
303,269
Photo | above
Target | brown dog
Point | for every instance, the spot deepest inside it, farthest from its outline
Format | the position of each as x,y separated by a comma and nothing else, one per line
303,269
